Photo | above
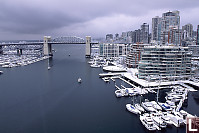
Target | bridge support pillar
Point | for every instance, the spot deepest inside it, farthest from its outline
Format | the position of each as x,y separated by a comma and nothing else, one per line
1,50
47,47
88,46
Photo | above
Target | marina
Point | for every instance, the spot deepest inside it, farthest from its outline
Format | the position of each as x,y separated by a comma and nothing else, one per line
159,114
9,61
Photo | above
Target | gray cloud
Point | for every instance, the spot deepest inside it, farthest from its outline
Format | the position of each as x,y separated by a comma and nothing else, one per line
34,18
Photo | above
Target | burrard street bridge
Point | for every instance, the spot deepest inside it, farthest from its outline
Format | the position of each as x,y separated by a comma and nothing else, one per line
47,43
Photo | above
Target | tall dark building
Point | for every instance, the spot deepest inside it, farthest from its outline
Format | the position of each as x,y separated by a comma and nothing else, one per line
144,36
187,31
137,36
197,40
116,36
109,36
156,28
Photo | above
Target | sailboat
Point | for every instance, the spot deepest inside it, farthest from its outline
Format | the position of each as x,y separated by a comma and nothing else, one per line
139,107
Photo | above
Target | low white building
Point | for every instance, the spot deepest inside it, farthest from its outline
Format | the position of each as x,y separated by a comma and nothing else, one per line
111,50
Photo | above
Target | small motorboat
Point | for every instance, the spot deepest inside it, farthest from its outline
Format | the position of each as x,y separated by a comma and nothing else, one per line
79,80
132,109
1,72
118,93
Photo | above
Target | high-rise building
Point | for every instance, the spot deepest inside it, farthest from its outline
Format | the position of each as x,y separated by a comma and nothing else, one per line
197,40
187,31
194,33
116,36
156,28
174,36
144,36
170,20
137,36
109,37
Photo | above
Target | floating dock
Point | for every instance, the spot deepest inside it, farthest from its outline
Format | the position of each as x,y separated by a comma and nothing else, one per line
109,74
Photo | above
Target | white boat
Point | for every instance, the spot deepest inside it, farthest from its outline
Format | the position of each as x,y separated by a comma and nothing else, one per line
132,109
147,122
148,106
49,68
105,79
165,106
1,72
157,119
170,103
176,120
95,65
140,108
174,97
124,92
79,80
118,93
166,118
155,105
183,116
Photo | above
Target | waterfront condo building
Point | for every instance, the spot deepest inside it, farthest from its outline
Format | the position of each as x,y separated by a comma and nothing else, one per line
168,62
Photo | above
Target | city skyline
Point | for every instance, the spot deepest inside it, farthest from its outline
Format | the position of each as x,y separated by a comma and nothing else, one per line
22,19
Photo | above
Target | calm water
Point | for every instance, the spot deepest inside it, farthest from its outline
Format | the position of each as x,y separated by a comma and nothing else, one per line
36,100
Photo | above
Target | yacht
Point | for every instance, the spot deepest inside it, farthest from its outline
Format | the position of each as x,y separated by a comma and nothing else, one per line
185,115
147,122
157,120
174,97
176,120
165,106
155,105
172,104
132,109
166,118
140,108
148,106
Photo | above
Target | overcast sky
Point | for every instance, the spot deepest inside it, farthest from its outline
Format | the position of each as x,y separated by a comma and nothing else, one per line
32,19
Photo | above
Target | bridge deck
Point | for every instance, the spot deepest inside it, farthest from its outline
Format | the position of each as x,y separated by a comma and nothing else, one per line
41,43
